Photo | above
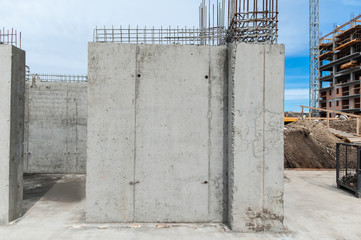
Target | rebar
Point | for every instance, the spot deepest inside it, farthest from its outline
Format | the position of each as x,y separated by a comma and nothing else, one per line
187,36
55,77
253,21
248,21
10,37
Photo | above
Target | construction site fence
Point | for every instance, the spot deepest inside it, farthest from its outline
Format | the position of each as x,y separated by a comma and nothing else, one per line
56,78
187,36
10,37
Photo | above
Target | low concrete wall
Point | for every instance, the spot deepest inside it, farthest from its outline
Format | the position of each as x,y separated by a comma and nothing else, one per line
55,127
12,79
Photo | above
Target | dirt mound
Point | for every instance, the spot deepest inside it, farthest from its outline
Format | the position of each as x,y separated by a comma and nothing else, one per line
348,126
309,144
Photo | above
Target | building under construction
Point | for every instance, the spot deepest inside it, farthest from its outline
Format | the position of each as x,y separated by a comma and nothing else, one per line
339,68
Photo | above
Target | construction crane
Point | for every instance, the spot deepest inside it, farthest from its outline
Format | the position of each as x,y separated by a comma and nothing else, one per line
314,53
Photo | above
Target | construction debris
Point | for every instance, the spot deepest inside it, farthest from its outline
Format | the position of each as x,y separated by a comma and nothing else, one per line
348,137
309,144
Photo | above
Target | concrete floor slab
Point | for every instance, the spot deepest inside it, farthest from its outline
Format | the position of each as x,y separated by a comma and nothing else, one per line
314,209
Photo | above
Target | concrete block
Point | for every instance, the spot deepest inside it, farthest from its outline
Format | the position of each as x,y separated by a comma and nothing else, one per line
12,78
256,85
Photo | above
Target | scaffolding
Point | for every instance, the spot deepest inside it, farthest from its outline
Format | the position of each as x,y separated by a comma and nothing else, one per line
10,37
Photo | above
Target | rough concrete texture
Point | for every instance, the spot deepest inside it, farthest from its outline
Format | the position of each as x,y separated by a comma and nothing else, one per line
314,209
12,79
55,127
156,133
256,85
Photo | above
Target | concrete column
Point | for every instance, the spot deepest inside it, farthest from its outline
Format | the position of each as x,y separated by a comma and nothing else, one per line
256,85
12,80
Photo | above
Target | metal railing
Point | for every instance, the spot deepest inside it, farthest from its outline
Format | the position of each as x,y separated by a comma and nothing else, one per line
187,36
10,37
56,78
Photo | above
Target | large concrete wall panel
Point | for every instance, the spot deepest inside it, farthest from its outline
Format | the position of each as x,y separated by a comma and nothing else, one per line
12,78
172,134
186,134
76,125
56,117
111,133
5,93
255,137
274,136
178,170
246,155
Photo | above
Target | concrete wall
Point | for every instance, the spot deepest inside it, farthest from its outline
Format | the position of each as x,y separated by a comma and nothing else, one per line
156,133
186,134
12,79
256,86
55,127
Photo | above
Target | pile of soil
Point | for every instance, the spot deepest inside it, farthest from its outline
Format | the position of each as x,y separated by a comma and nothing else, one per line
309,144
348,126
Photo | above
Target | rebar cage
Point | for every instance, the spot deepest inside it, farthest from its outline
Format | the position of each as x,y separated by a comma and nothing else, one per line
253,21
348,174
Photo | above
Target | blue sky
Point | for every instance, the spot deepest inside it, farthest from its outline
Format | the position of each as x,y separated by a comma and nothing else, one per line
55,33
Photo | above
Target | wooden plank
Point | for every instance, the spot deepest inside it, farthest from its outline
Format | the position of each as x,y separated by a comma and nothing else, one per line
352,42
321,118
328,120
351,138
332,111
349,65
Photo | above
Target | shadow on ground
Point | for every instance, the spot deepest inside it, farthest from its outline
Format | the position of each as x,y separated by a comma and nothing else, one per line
35,187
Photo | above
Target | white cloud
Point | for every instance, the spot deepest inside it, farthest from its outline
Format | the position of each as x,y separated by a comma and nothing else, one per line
296,94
